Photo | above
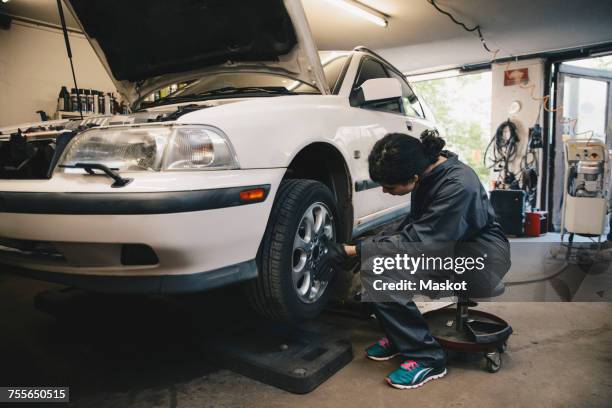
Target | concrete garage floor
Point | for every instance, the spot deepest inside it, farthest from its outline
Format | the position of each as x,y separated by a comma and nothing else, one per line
150,352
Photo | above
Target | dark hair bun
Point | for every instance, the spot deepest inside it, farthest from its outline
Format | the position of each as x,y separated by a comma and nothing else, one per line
432,144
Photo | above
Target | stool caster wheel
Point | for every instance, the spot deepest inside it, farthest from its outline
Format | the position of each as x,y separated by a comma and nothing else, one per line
502,348
493,361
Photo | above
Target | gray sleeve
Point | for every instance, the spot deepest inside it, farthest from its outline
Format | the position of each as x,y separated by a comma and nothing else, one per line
445,221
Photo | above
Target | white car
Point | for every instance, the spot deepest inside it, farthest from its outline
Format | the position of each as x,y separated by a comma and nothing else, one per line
234,177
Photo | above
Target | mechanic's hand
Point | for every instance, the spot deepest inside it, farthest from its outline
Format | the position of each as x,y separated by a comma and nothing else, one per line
338,258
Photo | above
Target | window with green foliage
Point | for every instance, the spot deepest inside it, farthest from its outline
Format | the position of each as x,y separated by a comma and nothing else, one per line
461,106
604,63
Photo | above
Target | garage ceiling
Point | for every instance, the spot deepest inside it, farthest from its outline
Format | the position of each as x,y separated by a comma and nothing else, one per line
420,38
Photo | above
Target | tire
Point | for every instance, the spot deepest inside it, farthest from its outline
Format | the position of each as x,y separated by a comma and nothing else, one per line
277,293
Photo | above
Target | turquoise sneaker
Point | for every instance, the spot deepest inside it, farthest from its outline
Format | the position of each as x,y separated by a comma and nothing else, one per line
381,350
412,375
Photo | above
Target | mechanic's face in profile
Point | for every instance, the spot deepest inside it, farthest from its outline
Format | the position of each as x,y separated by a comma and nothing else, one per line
400,189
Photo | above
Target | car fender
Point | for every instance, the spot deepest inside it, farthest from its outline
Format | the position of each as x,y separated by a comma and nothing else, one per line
269,132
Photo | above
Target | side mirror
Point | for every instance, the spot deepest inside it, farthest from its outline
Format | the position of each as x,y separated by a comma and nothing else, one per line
379,89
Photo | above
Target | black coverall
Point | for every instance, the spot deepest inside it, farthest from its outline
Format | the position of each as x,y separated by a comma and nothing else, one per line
450,205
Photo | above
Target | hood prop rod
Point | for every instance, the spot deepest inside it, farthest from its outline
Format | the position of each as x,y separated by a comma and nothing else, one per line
69,51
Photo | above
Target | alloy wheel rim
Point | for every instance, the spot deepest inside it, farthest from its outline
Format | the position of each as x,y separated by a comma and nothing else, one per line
309,251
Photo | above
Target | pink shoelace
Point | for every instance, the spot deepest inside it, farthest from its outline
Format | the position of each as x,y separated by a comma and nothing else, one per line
409,365
384,342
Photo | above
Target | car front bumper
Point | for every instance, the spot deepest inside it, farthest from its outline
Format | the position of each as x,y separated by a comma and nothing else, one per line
74,227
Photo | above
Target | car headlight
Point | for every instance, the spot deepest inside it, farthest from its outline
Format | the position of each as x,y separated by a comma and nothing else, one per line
153,148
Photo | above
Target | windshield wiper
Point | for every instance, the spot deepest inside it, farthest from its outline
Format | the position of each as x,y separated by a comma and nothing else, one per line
247,89
90,167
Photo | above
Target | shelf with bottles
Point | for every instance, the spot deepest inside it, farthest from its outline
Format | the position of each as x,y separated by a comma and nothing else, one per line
92,102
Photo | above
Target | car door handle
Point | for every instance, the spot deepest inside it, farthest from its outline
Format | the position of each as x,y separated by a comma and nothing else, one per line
408,125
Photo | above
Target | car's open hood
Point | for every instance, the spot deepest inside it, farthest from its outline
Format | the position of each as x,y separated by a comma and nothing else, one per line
147,44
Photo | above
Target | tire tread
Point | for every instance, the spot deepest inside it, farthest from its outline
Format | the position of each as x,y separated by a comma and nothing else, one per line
265,292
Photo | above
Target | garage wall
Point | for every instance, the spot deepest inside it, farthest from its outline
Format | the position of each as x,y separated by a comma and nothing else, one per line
34,66
503,96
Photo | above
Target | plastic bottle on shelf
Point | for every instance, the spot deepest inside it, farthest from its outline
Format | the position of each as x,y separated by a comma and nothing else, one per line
108,104
88,100
101,102
83,101
74,104
94,96
63,100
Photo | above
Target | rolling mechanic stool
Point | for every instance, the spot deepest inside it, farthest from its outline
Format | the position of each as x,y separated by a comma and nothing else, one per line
467,330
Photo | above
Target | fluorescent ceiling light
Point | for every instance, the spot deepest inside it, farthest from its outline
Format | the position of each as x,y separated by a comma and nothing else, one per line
362,11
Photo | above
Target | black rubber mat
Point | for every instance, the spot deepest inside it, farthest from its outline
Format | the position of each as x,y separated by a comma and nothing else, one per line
294,359
222,327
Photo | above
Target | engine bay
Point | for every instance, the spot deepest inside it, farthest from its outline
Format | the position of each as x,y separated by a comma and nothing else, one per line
29,154
33,152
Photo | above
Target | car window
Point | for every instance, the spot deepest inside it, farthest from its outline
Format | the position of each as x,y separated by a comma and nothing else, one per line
410,102
372,69
426,109
387,106
333,69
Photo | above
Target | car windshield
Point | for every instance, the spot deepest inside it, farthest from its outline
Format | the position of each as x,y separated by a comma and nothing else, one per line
232,84
240,80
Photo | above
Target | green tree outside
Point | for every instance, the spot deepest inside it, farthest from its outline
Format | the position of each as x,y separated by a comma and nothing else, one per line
462,109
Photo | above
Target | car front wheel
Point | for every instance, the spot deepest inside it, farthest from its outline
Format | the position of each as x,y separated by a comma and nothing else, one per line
294,277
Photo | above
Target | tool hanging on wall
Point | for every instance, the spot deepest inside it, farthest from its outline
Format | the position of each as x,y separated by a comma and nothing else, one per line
503,149
528,179
530,171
